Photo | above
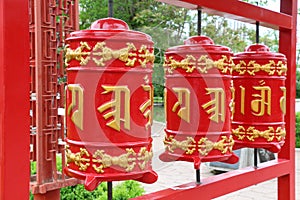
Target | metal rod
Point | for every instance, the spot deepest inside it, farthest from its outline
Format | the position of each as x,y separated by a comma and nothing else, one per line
255,158
257,29
257,41
109,190
110,8
199,24
198,180
257,32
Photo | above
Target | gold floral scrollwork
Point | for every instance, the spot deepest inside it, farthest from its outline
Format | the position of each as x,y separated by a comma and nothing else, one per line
202,64
144,157
104,160
252,67
78,54
225,144
251,133
188,145
146,56
126,55
224,64
205,146
239,132
78,158
187,64
280,133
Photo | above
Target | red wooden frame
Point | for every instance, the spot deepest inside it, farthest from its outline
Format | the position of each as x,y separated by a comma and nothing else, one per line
14,99
14,103
284,167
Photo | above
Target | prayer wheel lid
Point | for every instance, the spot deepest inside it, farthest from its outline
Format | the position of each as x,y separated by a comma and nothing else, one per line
199,45
259,51
110,28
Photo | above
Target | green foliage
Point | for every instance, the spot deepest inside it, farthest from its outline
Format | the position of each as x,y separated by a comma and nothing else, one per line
122,191
159,114
298,129
158,80
127,190
297,84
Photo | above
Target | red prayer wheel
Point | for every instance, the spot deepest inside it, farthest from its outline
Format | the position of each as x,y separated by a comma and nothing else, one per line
197,102
259,98
109,104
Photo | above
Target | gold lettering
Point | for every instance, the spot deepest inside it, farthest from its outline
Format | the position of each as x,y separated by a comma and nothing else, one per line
115,104
146,107
77,103
183,95
263,101
217,104
232,102
242,100
283,100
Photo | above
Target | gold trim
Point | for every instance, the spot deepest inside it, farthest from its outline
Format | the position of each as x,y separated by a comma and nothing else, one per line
78,54
251,133
101,54
78,158
188,145
202,65
252,67
105,54
101,160
104,160
146,56
204,145
224,145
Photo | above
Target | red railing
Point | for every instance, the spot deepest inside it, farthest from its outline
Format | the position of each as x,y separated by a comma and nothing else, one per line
284,168
49,21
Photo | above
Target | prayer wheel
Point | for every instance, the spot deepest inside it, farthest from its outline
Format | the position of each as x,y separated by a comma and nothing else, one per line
198,102
259,98
109,104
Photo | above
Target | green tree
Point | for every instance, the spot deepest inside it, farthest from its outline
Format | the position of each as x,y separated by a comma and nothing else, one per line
297,84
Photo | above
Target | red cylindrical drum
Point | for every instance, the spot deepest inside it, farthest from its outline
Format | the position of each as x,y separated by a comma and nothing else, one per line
259,98
197,101
109,100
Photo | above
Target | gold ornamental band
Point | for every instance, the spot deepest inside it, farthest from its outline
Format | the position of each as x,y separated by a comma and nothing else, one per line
101,160
202,64
100,54
251,133
204,145
272,68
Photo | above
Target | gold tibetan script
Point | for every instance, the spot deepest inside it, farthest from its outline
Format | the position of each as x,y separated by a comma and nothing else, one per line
242,100
183,95
217,105
77,104
121,95
145,108
283,100
263,101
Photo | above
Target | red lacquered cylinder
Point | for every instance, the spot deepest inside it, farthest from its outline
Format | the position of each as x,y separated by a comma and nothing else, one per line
109,104
259,98
197,102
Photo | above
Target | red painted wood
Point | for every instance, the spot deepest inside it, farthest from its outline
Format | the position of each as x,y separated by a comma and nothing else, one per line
14,100
285,168
287,45
226,183
236,10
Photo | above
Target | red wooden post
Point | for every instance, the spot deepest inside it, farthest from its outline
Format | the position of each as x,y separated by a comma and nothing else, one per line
287,45
14,100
